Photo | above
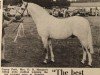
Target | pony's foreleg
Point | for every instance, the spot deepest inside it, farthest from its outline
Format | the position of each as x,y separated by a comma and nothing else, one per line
51,51
87,52
45,43
89,58
84,56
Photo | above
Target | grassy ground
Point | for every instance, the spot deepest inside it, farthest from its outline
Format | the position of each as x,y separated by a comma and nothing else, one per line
29,52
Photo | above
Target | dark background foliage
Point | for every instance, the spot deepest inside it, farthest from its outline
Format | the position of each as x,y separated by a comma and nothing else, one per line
44,3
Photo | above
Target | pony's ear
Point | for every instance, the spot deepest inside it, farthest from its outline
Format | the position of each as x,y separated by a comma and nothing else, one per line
24,1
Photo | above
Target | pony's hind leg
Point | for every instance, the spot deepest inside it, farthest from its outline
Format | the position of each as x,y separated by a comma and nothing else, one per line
89,58
84,56
51,51
45,43
86,52
83,42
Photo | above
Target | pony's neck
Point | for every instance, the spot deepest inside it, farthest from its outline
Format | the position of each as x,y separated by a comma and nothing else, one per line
37,12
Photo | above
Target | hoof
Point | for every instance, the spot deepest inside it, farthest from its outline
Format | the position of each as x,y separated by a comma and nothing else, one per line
53,61
45,61
14,41
4,61
90,66
83,62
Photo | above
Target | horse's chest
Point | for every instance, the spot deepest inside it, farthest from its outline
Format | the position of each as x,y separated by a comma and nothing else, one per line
42,30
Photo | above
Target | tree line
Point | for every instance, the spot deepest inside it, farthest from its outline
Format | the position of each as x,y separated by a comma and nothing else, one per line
43,3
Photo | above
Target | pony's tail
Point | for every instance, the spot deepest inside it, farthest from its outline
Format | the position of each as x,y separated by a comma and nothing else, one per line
90,42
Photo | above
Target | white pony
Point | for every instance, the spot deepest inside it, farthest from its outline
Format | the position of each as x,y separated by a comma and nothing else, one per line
50,27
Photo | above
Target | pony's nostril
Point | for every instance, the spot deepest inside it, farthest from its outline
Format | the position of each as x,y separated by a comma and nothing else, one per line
22,8
18,17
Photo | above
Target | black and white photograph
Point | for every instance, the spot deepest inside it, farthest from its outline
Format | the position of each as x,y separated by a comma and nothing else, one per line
51,33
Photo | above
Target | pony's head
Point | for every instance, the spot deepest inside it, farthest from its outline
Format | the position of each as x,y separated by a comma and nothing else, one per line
24,5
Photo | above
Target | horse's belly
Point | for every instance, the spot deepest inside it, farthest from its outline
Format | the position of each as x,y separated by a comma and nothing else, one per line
60,34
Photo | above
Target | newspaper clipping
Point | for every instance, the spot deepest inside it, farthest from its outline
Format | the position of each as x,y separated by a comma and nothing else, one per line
50,37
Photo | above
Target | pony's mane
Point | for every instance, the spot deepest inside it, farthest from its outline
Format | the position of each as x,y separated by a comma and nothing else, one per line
39,8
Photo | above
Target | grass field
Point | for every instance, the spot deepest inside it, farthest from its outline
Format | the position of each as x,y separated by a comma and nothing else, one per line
29,51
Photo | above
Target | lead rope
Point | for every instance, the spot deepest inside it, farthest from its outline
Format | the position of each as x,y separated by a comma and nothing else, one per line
20,29
20,26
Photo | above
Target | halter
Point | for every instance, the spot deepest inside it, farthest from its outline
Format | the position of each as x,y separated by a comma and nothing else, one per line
24,9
